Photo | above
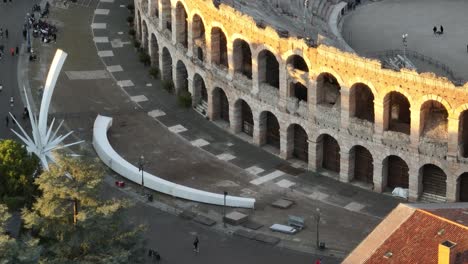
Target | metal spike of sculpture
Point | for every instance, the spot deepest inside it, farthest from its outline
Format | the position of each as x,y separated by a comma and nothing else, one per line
43,141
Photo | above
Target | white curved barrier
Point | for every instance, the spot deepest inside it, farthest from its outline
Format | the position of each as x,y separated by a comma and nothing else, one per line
112,159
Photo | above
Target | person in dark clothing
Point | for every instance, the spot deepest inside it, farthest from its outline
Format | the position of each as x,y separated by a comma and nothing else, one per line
17,50
195,245
7,120
6,33
434,29
24,34
441,29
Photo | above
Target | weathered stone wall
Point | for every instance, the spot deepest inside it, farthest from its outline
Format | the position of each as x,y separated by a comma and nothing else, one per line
347,68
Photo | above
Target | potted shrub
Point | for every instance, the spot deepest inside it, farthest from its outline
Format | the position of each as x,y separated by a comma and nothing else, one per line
154,72
185,99
168,86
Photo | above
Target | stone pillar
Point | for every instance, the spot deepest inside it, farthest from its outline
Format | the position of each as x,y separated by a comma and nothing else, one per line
286,143
453,186
196,93
378,121
312,155
230,51
344,167
311,98
174,26
283,87
453,138
255,80
259,132
379,177
160,15
190,45
415,127
213,105
235,116
344,107
415,182
150,8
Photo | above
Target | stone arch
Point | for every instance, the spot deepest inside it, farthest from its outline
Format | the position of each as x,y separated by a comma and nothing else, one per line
154,47
219,51
297,142
328,90
298,90
243,113
361,165
431,97
328,153
361,102
395,172
200,94
138,25
181,26
145,37
166,71
268,68
297,62
331,71
166,18
296,52
198,37
181,84
269,123
463,133
434,182
397,112
220,105
463,187
433,120
242,57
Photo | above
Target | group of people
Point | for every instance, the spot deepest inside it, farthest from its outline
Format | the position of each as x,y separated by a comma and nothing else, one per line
13,50
438,31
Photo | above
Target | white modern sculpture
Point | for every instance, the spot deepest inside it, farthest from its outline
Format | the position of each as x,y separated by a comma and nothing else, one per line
44,141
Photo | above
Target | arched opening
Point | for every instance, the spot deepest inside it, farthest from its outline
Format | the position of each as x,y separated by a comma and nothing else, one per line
247,123
361,102
144,38
361,165
397,114
268,69
219,54
181,25
271,124
154,51
463,187
434,182
199,90
181,84
166,14
328,91
298,90
297,63
434,121
155,11
166,65
242,58
396,172
300,142
220,105
328,153
463,134
198,35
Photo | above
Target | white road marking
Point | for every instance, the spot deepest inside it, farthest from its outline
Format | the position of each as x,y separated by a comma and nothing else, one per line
114,68
177,129
200,143
156,113
254,170
139,98
268,177
105,53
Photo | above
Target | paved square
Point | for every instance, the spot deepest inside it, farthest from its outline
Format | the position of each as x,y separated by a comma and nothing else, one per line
271,176
102,12
98,25
354,206
316,195
177,129
105,53
200,142
254,170
226,156
125,83
156,113
139,98
285,183
114,68
87,75
101,39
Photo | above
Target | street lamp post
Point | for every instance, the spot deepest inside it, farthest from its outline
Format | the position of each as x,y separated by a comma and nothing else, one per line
405,43
224,209
317,218
141,165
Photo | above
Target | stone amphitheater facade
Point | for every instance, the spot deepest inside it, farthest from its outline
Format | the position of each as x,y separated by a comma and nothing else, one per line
341,114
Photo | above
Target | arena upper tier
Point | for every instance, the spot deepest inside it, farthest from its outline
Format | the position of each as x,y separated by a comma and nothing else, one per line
338,112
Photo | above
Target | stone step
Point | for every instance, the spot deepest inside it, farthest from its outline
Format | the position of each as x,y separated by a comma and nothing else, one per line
432,198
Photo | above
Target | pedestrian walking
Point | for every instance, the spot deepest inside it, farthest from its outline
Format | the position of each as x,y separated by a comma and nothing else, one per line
467,48
6,33
12,51
435,30
55,37
7,120
14,119
24,34
319,261
17,50
441,29
1,32
195,244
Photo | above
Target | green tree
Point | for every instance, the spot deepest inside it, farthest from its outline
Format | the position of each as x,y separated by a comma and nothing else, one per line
15,251
17,168
91,232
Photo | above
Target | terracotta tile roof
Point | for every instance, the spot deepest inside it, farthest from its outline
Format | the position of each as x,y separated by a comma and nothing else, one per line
412,234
